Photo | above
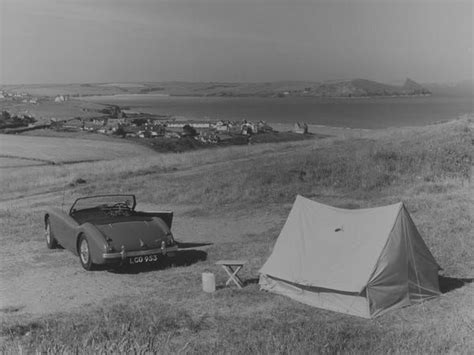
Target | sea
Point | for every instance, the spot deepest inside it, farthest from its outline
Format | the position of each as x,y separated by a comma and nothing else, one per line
352,113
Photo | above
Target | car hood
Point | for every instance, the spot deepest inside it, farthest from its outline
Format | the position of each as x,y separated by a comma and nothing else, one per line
135,234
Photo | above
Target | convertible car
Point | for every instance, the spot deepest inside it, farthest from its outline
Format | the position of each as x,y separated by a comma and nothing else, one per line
106,229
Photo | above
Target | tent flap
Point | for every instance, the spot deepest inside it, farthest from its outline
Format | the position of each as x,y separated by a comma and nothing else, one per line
330,247
333,300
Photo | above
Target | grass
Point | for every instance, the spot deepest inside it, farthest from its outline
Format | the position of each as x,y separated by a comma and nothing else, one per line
245,321
428,168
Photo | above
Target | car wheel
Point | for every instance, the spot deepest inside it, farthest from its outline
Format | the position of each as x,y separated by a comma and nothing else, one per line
51,242
85,253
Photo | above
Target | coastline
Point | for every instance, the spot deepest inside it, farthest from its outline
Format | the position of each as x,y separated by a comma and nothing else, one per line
136,95
355,119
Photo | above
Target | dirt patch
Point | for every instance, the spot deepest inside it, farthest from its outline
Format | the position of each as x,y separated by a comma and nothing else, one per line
39,281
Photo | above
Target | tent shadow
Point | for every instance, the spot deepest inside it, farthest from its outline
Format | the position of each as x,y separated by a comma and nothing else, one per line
448,284
248,282
252,281
182,258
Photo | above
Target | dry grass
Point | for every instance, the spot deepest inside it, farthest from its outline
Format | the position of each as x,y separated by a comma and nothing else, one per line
280,326
361,168
428,168
56,177
6,163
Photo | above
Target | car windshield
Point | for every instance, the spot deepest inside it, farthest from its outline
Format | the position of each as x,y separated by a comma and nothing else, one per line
103,201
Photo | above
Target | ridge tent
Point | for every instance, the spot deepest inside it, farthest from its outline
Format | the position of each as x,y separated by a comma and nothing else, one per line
361,262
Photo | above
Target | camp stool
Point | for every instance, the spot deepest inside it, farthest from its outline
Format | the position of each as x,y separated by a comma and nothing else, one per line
232,268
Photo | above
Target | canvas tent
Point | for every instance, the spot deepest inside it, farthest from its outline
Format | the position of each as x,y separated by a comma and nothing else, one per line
362,262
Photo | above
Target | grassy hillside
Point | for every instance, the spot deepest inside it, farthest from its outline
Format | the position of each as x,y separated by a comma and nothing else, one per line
251,190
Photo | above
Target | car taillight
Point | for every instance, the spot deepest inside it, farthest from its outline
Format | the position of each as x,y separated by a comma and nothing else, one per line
169,239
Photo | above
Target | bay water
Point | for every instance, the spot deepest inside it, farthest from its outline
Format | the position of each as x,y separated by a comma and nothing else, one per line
354,113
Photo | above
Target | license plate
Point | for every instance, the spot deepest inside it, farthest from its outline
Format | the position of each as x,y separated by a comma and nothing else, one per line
143,259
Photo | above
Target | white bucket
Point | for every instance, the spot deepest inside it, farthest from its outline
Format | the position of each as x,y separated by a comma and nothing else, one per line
208,282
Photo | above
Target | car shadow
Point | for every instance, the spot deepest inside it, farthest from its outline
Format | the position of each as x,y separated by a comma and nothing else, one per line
192,245
181,258
448,284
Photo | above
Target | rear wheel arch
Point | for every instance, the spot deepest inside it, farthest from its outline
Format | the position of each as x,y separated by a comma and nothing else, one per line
94,236
78,238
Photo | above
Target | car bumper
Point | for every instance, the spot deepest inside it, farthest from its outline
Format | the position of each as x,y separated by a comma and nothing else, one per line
128,254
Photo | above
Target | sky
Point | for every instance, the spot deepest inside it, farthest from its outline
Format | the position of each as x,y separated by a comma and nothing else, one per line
79,41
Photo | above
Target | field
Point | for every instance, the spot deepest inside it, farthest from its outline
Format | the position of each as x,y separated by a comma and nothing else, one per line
231,203
56,150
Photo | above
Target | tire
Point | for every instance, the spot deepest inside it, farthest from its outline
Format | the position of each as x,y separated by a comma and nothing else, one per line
51,242
84,251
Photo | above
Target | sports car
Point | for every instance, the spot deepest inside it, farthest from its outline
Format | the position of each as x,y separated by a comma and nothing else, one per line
107,230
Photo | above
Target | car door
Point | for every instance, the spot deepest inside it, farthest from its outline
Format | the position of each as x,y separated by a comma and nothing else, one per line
64,229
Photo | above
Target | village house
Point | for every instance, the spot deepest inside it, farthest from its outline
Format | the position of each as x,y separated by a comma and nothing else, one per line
74,123
181,124
228,127
112,124
98,121
200,125
264,127
61,98
175,124
248,128
301,128
172,134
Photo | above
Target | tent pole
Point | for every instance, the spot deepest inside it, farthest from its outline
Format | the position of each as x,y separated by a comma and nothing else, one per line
368,301
416,271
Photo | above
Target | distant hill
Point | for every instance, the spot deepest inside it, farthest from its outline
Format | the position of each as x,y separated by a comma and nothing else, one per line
346,88
366,88
327,89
